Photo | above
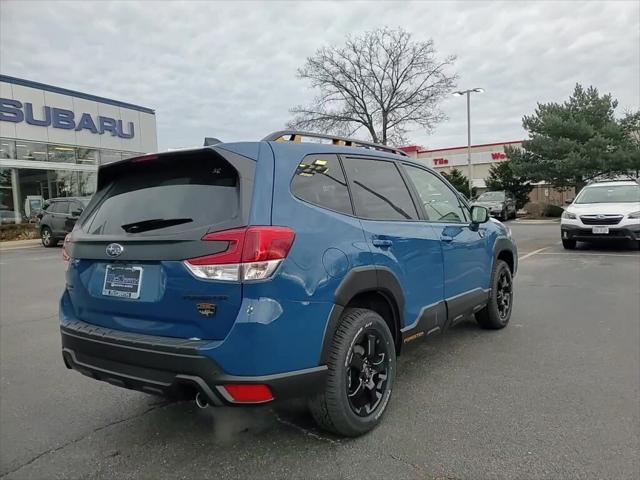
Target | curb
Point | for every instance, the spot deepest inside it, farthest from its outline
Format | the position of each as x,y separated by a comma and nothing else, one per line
19,244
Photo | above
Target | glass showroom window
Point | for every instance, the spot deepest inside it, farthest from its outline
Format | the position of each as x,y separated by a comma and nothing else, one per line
86,184
7,214
7,148
62,154
31,151
108,156
87,156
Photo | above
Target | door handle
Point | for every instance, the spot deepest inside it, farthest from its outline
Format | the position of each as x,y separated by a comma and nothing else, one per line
446,238
379,242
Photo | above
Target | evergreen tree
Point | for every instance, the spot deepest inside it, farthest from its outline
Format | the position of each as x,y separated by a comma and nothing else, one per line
574,142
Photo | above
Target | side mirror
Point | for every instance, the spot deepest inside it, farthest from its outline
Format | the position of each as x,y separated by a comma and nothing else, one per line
479,214
76,213
568,202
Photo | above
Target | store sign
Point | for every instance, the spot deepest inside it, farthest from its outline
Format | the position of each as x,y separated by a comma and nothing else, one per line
17,112
461,159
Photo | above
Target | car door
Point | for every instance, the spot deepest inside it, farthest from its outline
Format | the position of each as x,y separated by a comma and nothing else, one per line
62,217
58,215
75,209
467,256
401,244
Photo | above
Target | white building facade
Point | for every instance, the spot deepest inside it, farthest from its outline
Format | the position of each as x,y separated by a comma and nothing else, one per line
446,159
52,141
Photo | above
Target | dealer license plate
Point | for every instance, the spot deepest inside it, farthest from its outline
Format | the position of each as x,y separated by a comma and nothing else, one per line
600,230
122,281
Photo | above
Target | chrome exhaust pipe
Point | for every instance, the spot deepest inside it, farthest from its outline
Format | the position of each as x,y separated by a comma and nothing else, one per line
201,400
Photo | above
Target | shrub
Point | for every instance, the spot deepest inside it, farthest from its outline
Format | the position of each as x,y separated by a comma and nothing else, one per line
22,231
540,209
552,211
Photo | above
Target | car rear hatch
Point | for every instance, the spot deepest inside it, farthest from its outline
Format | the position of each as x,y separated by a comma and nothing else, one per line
149,214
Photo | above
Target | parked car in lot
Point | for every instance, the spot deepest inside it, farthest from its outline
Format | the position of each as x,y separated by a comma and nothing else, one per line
58,217
499,203
312,267
603,211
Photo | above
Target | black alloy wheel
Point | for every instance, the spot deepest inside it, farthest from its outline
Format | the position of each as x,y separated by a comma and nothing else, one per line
361,371
497,312
367,372
504,294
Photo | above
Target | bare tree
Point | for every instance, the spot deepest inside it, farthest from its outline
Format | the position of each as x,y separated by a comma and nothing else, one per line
382,81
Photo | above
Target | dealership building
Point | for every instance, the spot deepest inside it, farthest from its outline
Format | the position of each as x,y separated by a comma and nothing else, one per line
446,159
52,141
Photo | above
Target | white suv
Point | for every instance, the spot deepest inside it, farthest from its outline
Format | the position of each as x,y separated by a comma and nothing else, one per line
601,211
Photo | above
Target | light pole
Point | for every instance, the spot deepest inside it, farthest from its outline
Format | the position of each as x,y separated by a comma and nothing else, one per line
468,93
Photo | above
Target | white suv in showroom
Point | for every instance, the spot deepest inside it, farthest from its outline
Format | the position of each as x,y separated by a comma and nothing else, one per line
603,211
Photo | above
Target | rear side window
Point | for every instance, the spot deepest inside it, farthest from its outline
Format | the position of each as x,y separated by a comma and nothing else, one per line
319,180
167,195
379,192
59,207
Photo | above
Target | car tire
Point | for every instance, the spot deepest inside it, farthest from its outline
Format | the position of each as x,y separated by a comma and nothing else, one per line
504,216
568,244
362,359
47,238
497,313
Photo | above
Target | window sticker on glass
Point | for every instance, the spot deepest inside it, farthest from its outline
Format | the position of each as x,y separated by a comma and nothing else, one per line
319,180
308,170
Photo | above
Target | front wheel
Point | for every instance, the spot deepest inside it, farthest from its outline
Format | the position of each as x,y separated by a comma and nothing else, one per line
497,313
361,365
568,244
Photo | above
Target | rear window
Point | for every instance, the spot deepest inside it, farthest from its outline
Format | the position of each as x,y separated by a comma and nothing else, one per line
165,196
319,180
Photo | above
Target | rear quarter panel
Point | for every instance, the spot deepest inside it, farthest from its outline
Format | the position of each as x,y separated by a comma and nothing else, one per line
283,319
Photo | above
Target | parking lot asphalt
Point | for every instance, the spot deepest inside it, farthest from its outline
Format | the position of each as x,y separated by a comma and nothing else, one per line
554,395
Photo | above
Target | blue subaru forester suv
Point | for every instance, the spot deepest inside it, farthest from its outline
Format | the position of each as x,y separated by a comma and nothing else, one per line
245,273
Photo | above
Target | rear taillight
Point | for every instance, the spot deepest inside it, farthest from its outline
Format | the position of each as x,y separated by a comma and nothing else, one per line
66,258
253,253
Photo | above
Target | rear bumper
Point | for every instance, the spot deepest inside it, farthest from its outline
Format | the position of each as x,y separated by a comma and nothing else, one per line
571,232
168,366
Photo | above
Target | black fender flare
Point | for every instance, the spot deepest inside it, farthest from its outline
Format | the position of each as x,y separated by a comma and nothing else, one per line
361,280
503,244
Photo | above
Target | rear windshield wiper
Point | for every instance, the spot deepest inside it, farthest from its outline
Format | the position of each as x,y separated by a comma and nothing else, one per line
153,224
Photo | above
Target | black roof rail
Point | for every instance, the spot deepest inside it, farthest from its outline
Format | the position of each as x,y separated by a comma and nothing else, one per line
297,135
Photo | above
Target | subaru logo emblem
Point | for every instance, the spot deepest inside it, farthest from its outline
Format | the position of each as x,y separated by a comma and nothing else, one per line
114,249
600,217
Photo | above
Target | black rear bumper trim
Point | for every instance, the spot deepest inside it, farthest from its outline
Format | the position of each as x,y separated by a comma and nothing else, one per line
162,370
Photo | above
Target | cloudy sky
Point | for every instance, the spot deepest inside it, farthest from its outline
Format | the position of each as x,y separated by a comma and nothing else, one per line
229,69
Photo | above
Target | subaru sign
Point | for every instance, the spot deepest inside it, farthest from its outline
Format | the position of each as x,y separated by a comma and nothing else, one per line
17,112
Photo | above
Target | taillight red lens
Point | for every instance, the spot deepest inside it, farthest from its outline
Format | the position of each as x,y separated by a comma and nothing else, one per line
252,253
267,243
233,252
249,393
